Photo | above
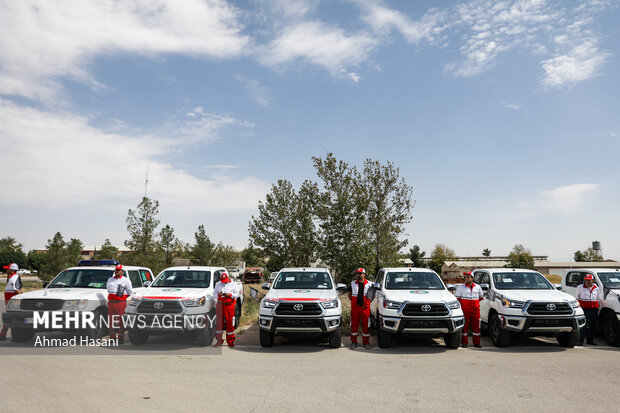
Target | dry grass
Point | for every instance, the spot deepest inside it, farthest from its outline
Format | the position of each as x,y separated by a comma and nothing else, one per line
555,279
249,310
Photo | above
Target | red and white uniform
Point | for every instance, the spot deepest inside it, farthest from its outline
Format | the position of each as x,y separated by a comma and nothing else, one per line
13,284
226,309
470,296
117,304
588,297
360,314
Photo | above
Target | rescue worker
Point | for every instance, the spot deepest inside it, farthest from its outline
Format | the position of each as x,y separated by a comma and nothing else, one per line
227,293
470,295
360,308
119,289
587,294
13,287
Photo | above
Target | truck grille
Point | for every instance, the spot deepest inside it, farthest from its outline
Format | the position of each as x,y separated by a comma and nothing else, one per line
418,310
426,324
44,304
306,309
549,309
160,307
297,323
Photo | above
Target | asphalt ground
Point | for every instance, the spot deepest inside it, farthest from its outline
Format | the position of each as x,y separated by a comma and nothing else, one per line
307,376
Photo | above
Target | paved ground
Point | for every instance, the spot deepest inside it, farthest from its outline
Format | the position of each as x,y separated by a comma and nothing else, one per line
534,374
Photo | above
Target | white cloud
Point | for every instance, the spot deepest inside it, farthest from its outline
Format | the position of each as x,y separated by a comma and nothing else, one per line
42,41
259,93
567,200
319,44
580,63
511,105
58,155
613,133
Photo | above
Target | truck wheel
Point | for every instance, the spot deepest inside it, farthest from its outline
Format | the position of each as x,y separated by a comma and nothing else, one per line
384,337
205,336
335,338
21,335
453,340
499,336
611,329
138,337
237,314
99,330
569,339
266,338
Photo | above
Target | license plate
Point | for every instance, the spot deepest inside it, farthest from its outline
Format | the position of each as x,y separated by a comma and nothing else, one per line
28,320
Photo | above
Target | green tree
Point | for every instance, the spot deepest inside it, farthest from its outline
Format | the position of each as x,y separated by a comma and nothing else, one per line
107,251
142,227
345,242
60,255
416,256
225,255
11,252
388,211
441,253
36,260
10,244
203,249
520,257
486,252
168,244
253,256
587,255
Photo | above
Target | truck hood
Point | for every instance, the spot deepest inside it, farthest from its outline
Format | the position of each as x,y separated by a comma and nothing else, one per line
68,293
301,295
420,296
167,293
535,295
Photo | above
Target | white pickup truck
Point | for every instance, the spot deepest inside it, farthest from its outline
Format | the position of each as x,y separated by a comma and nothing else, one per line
301,301
608,280
179,300
525,302
76,289
415,301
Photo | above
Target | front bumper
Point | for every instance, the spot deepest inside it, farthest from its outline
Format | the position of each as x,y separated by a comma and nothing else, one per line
422,325
172,323
18,319
298,325
542,325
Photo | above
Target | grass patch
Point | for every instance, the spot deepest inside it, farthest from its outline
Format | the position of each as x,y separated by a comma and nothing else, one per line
249,310
555,279
32,286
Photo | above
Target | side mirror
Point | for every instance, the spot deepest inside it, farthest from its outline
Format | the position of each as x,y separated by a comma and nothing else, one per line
376,286
147,283
45,284
265,286
485,287
558,286
451,288
341,287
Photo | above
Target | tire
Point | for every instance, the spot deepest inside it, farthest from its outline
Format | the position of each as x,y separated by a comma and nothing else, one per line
383,337
453,340
21,335
499,336
205,336
610,327
569,340
335,338
237,314
138,337
99,330
266,338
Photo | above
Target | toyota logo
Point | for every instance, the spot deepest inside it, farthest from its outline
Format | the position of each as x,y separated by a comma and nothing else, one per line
426,307
40,304
550,306
158,305
298,307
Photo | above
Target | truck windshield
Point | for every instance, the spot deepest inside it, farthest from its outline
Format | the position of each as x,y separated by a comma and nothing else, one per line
82,278
183,279
610,279
408,280
521,281
303,279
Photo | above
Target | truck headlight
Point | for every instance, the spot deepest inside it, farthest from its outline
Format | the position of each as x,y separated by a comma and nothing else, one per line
268,303
14,304
133,300
196,303
391,305
574,304
454,305
330,304
512,303
75,305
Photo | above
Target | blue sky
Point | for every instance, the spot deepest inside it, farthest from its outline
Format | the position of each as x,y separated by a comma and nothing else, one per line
502,115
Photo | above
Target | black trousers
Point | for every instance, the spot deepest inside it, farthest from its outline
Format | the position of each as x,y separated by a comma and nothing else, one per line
591,324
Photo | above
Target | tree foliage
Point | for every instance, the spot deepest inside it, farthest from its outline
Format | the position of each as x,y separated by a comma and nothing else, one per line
520,257
60,255
142,227
587,255
415,255
202,251
441,253
107,251
225,255
168,245
253,256
11,252
486,252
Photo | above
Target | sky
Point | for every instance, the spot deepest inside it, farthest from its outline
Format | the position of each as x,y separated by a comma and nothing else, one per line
502,115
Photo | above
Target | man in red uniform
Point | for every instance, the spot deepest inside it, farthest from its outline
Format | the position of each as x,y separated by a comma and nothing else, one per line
360,308
587,294
13,287
227,293
470,295
119,289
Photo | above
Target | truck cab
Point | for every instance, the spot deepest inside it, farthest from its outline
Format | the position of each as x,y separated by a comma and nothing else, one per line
608,280
521,301
415,301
